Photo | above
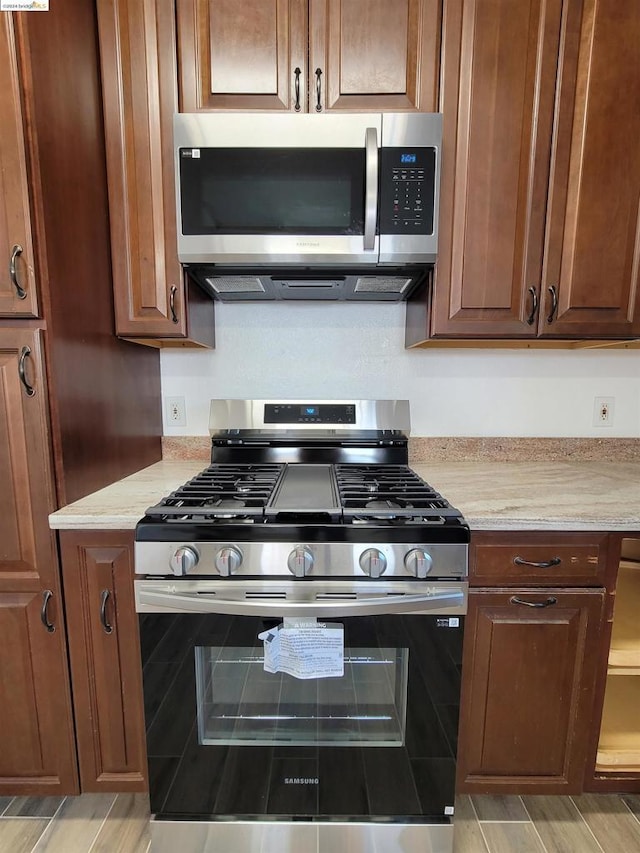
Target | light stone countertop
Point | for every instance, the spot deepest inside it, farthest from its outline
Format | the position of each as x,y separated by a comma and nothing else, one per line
584,495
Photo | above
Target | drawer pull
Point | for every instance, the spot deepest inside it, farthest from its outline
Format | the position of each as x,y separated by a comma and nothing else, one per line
545,564
106,626
548,603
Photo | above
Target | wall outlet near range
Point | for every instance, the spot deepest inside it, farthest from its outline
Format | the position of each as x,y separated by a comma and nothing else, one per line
603,411
175,413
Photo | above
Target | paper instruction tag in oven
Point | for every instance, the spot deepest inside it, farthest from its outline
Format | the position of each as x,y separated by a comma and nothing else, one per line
304,648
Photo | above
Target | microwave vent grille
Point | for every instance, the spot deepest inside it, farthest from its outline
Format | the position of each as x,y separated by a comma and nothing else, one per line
382,284
236,284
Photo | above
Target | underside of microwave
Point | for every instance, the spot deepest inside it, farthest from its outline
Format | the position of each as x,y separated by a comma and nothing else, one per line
326,284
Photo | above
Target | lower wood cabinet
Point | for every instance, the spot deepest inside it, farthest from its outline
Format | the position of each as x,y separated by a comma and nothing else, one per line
104,652
529,672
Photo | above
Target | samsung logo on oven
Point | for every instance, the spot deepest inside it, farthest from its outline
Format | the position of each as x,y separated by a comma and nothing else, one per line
301,780
307,243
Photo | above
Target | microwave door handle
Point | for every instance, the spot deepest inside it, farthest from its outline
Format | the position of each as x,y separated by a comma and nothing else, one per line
371,187
175,602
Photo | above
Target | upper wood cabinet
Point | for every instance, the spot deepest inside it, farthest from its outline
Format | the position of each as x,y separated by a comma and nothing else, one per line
37,753
153,302
308,55
18,297
539,215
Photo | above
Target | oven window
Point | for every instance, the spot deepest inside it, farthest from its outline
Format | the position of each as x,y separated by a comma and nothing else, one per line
272,191
238,703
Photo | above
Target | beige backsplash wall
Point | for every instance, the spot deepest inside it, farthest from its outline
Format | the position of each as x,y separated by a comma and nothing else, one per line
351,351
465,449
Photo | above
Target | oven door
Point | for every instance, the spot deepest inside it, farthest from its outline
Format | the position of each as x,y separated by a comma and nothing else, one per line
229,741
277,189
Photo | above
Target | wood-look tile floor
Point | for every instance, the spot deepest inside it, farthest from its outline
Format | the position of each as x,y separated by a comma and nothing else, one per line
105,823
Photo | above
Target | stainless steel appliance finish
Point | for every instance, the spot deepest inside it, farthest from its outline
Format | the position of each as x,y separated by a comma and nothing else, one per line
263,836
285,191
244,756
333,560
230,416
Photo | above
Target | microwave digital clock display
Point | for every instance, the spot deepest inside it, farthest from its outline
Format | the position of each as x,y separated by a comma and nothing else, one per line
408,158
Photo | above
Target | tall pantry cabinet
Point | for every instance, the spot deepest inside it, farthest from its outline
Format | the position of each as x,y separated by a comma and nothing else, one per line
78,407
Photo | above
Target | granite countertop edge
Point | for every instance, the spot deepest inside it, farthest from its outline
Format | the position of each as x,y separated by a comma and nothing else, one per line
561,496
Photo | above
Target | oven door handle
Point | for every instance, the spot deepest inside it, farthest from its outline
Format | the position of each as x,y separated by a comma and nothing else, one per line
371,187
273,605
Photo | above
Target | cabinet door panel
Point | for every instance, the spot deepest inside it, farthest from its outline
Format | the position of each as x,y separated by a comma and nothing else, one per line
528,681
593,240
105,664
241,56
37,751
499,71
26,497
139,70
15,217
373,56
33,707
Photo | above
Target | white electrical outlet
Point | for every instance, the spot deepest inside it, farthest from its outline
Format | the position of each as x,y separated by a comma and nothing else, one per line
603,411
175,412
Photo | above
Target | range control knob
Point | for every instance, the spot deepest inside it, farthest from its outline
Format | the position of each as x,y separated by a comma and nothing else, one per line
228,560
300,561
184,560
418,562
373,562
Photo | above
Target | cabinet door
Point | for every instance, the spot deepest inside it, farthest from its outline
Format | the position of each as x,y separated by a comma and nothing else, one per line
498,82
593,238
242,56
104,649
137,41
529,672
17,276
37,750
373,55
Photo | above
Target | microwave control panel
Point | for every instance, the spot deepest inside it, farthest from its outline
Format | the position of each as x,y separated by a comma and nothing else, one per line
407,190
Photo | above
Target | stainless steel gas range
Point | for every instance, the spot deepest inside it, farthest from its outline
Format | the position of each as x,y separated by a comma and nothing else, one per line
301,607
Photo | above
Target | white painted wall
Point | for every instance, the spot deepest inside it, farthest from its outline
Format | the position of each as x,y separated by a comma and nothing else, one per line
354,351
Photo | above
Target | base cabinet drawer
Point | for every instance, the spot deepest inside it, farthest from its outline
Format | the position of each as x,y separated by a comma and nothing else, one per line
529,669
538,559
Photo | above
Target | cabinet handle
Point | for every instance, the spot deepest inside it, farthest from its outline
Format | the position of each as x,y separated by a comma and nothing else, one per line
297,73
47,595
318,90
104,597
545,564
534,306
29,389
13,272
548,603
554,303
172,303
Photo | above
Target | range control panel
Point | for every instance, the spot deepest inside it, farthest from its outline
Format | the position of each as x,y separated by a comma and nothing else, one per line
309,413
407,177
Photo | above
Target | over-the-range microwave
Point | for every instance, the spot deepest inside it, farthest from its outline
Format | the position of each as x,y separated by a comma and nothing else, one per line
295,206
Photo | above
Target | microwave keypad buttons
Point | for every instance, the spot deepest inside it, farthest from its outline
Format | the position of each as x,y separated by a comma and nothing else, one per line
406,192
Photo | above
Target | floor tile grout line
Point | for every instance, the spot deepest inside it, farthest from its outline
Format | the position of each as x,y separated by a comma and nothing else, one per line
44,829
483,836
100,828
577,807
633,814
7,806
533,825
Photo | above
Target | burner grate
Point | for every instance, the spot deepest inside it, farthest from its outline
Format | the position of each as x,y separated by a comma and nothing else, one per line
221,492
393,493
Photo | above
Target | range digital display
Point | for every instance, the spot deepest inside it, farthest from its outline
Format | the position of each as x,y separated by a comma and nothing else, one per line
310,413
